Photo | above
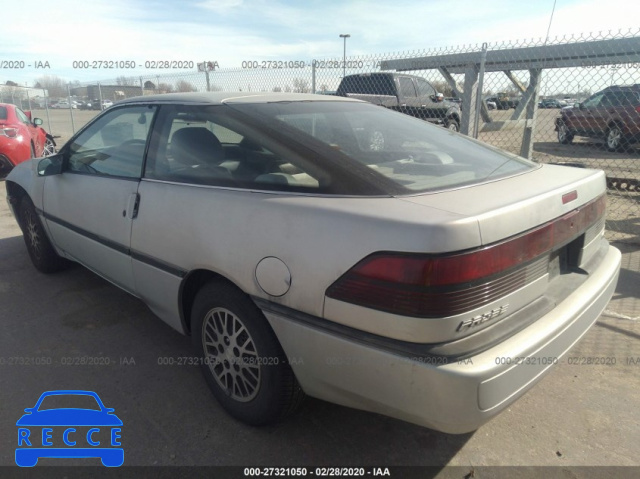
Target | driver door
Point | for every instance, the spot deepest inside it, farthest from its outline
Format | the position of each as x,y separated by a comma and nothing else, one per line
89,208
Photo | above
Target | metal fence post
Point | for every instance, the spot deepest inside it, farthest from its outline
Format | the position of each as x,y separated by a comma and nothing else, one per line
141,87
476,121
73,125
313,76
46,108
206,75
28,100
100,96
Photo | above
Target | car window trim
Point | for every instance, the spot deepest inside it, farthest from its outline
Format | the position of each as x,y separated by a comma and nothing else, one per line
364,186
64,151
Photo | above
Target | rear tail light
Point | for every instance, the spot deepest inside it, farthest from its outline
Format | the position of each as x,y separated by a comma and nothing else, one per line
432,286
9,132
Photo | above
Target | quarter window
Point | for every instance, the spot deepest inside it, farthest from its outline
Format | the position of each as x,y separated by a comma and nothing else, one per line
113,145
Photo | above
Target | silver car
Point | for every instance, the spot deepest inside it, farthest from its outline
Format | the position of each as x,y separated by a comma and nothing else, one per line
324,246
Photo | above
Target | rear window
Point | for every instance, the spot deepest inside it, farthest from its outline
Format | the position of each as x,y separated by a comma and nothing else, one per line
3,113
368,85
410,155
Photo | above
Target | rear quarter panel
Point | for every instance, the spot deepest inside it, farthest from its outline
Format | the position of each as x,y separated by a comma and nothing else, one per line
318,238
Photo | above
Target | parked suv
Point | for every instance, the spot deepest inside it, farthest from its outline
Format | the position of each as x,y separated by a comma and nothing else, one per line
550,103
612,114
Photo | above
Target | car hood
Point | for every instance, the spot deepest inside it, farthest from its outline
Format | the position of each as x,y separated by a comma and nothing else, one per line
69,417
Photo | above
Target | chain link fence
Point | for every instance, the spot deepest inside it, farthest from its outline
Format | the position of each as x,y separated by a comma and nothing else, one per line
571,100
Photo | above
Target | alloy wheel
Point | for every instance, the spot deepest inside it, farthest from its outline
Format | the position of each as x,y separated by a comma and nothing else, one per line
231,355
33,235
614,138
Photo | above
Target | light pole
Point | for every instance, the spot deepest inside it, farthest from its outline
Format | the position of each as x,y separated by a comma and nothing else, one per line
344,54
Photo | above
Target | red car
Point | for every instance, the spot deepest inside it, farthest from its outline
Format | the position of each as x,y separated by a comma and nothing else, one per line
21,138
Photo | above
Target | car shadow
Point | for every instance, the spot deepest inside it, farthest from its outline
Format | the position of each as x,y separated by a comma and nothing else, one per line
170,416
629,280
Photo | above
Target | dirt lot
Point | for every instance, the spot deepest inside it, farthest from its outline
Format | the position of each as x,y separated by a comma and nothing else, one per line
579,415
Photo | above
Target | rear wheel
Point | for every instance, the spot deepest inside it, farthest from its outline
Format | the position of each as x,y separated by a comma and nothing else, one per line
452,125
564,134
242,360
41,251
615,138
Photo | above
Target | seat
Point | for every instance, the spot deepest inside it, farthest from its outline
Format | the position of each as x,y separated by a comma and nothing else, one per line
199,152
194,146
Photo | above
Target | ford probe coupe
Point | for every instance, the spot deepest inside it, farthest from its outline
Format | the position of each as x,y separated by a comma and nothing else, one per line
325,246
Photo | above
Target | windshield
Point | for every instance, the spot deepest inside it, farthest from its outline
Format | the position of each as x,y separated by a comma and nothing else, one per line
415,155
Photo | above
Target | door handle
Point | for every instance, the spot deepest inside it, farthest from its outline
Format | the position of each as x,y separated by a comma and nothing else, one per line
132,206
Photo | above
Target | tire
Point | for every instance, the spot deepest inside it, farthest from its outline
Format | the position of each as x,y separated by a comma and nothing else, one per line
255,385
614,138
41,251
452,125
565,136
49,148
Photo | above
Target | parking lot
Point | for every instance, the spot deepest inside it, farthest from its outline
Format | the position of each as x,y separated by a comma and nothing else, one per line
579,415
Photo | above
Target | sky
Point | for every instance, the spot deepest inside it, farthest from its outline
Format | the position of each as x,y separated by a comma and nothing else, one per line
231,32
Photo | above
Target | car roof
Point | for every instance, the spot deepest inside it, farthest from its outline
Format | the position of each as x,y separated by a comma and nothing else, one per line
622,88
388,74
220,98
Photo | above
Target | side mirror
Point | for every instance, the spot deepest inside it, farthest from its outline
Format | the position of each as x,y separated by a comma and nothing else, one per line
37,121
577,105
51,165
438,97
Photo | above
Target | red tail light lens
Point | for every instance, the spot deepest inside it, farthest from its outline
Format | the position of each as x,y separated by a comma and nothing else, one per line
426,285
9,132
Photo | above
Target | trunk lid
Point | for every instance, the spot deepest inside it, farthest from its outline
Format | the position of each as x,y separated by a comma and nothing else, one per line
513,205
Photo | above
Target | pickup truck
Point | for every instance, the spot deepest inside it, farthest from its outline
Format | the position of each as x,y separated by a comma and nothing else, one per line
408,94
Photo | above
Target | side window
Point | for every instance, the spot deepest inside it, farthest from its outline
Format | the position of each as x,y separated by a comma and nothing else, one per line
609,99
406,87
114,145
202,145
22,116
593,101
424,88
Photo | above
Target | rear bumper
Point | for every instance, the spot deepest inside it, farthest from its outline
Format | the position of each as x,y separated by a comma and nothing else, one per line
451,397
